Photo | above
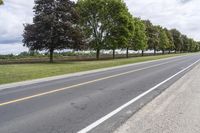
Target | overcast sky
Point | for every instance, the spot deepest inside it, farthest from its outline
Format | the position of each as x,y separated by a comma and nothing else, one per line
181,14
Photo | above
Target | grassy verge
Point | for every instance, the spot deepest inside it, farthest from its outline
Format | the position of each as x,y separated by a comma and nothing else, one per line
22,72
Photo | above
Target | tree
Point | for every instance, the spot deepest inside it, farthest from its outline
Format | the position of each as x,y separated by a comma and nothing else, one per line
171,41
177,39
1,2
163,40
121,25
107,23
192,45
185,43
54,27
92,18
197,47
139,40
152,33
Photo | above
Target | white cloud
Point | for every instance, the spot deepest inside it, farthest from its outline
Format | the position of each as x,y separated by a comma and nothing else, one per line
13,14
181,14
14,48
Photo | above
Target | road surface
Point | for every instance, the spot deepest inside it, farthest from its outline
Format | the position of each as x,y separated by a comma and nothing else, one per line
176,110
95,102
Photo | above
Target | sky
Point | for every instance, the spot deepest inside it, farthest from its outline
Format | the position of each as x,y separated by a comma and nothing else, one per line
181,14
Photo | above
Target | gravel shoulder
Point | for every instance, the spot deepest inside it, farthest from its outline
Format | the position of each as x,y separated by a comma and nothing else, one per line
177,110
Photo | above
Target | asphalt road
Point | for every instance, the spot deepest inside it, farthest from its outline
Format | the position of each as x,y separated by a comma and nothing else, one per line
176,110
75,103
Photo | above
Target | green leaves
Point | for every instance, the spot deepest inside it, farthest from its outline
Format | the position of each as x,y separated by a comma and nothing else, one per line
139,40
152,33
55,27
164,42
107,23
101,24
171,45
177,39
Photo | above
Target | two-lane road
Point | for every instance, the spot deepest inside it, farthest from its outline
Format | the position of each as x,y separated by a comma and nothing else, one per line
96,102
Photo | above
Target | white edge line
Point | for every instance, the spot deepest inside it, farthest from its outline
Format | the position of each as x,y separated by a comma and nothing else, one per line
106,117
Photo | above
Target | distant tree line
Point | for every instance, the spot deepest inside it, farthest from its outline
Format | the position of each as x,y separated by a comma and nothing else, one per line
98,25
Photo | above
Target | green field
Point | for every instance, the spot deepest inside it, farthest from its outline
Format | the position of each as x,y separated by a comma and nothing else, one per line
21,72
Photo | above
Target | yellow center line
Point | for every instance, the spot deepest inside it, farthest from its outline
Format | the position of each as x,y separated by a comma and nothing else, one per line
77,85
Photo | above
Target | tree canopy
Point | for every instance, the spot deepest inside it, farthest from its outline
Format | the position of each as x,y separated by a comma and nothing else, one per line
54,27
139,40
177,39
185,43
171,40
98,25
152,33
107,23
164,42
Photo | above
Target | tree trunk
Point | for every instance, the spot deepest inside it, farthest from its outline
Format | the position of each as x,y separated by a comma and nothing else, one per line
97,54
169,52
51,55
163,52
127,54
154,51
113,53
142,52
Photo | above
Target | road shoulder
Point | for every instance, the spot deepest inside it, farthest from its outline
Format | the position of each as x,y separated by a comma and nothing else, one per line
177,110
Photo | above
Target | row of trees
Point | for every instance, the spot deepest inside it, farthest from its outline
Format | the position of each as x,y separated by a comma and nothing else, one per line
98,25
169,40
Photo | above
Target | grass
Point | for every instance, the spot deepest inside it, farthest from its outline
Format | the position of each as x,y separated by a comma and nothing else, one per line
22,72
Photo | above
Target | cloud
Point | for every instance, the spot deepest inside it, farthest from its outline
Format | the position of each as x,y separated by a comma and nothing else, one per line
13,48
181,14
185,1
13,14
